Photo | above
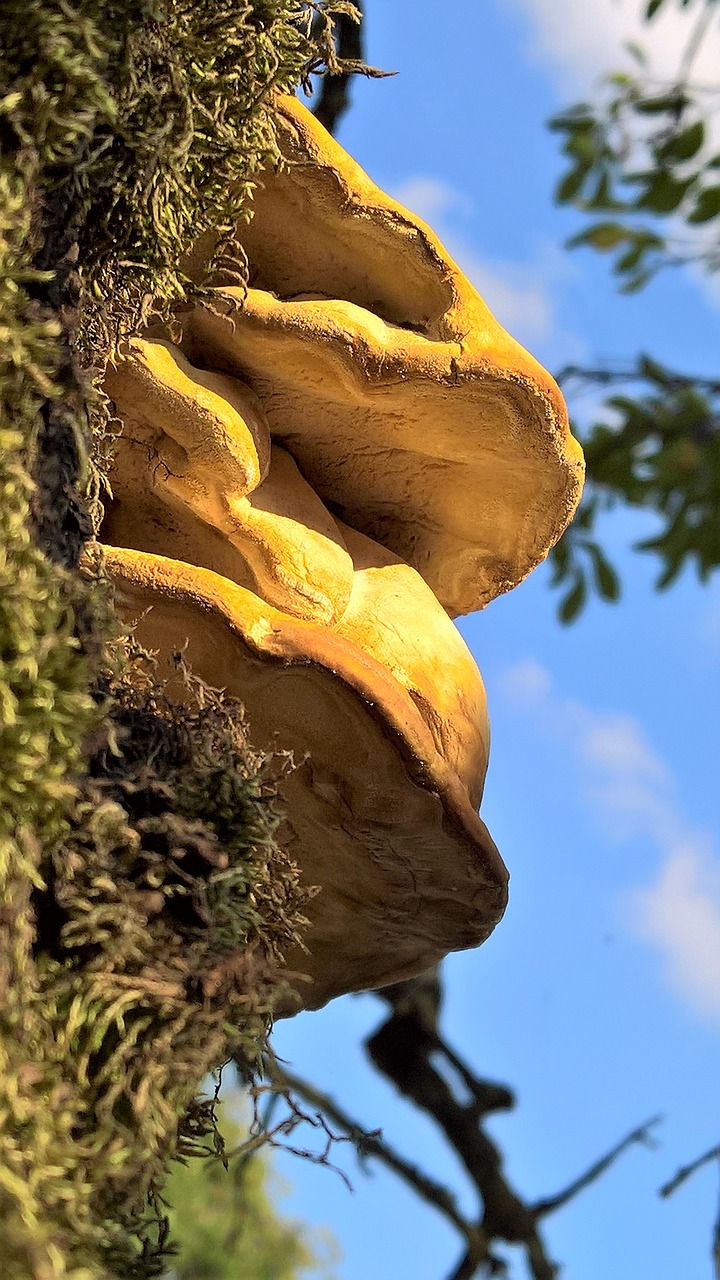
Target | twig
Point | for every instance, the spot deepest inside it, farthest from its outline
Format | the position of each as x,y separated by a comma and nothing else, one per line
334,95
261,1136
697,35
469,1263
487,1095
541,1267
403,1049
687,1171
604,376
680,1177
553,1203
372,1144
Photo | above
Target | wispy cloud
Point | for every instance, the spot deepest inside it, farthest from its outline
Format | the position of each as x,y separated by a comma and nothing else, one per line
579,42
522,295
680,914
432,198
634,795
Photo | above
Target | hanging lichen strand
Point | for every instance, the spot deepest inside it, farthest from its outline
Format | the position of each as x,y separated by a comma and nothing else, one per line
137,846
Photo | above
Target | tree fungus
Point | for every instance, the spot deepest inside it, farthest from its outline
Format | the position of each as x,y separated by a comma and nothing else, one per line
314,477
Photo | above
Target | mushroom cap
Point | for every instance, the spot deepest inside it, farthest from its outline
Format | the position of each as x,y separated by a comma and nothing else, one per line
410,410
359,673
377,816
329,464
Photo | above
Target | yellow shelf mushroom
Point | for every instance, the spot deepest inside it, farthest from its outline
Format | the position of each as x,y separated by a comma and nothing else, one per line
325,470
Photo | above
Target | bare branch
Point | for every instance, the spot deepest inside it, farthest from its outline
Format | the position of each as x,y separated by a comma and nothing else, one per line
262,1134
334,95
469,1265
541,1267
697,36
372,1144
408,1049
639,1135
680,1177
603,376
687,1171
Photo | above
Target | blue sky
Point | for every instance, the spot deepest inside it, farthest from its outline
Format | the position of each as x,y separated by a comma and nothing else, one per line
598,998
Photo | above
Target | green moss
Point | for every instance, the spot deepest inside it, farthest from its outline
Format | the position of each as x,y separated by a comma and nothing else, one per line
222,1223
146,902
158,959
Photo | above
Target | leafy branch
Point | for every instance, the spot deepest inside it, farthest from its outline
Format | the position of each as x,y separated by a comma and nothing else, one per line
642,157
658,450
644,152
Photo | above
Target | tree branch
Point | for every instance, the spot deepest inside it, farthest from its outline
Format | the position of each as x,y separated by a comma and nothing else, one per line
406,1048
697,36
680,1177
372,1144
687,1170
469,1263
401,1050
334,96
551,1205
604,376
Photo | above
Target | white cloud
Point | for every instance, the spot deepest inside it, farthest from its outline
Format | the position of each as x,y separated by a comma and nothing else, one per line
577,42
680,914
520,294
633,794
580,43
431,198
517,294
526,684
615,743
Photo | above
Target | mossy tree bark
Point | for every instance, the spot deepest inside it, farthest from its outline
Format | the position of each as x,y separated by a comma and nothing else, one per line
137,842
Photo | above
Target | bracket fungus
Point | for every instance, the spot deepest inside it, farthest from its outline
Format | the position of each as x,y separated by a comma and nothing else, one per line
312,481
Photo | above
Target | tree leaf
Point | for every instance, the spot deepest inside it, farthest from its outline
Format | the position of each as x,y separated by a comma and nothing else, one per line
606,579
638,281
560,561
602,197
650,369
664,193
652,8
636,50
582,147
581,115
676,101
571,604
585,515
671,571
707,205
602,236
570,185
630,260
683,145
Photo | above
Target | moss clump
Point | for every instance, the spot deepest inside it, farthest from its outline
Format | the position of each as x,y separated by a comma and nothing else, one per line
223,1223
145,899
160,940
